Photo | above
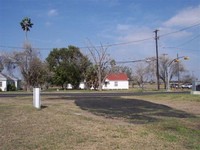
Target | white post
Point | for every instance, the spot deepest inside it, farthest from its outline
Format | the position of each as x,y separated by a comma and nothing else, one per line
36,98
168,78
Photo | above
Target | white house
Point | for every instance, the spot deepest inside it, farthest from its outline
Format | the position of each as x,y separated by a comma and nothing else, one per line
5,80
116,81
81,86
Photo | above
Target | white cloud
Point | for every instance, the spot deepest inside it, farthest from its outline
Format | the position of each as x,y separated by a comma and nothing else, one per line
186,17
122,33
123,27
166,30
58,41
127,32
52,12
48,23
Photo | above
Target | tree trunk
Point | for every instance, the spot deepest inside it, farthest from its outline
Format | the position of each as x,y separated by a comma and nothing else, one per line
165,85
99,78
26,37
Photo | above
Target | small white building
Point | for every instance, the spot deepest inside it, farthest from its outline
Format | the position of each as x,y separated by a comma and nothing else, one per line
82,86
5,80
116,81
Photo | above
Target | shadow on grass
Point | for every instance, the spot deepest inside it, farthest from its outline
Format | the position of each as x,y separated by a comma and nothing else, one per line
43,106
132,110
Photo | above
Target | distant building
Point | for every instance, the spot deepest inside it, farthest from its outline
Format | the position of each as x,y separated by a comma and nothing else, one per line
82,85
115,81
5,80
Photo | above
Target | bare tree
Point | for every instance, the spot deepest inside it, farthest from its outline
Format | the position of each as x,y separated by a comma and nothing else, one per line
188,78
175,68
1,63
163,64
141,74
101,60
38,72
29,65
114,68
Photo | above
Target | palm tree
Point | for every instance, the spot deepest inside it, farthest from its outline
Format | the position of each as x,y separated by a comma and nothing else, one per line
26,24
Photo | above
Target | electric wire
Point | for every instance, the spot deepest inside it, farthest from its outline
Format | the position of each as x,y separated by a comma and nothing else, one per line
183,29
117,44
189,41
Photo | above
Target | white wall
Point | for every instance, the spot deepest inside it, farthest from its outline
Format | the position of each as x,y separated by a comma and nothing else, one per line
16,85
82,85
4,86
116,85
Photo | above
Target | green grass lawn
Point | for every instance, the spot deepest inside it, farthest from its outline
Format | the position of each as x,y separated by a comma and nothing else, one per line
126,123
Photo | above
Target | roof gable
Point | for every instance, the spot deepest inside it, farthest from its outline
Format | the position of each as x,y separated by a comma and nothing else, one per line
6,77
2,77
117,77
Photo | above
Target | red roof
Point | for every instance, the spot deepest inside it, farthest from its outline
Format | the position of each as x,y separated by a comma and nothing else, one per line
117,77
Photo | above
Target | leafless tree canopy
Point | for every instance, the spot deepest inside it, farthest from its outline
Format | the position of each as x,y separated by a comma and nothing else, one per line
141,74
28,63
175,68
101,60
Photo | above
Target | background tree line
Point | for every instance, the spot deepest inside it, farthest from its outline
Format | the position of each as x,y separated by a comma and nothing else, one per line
69,65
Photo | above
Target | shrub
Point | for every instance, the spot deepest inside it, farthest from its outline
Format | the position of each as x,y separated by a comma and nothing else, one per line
11,87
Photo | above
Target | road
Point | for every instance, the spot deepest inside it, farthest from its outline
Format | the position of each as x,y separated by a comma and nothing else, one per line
87,94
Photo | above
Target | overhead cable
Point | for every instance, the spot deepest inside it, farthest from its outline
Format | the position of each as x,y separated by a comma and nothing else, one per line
117,44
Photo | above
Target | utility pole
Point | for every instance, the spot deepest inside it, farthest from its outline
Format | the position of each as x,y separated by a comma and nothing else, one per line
157,63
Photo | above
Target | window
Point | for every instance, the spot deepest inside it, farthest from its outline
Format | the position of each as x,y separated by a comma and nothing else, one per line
116,83
106,83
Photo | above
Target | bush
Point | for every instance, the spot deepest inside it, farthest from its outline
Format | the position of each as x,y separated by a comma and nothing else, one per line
11,87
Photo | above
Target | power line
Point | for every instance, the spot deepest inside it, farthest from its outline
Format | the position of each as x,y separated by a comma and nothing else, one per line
84,47
186,28
131,61
189,40
130,42
15,47
172,47
179,48
115,44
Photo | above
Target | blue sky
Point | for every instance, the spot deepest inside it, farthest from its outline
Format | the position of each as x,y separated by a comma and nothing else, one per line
59,23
